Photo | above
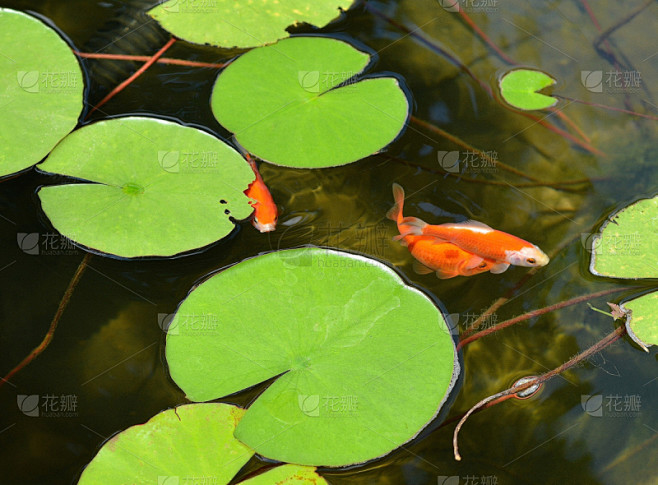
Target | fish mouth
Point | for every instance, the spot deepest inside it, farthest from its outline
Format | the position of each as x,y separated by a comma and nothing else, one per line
269,227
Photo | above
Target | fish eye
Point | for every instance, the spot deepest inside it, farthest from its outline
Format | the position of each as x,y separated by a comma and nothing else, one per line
531,261
482,265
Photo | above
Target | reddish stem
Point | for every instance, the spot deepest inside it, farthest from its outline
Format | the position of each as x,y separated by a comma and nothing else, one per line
485,38
463,144
138,73
498,397
53,324
162,60
535,313
611,108
565,134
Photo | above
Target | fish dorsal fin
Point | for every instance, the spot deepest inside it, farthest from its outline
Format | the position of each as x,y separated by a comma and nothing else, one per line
420,268
474,226
479,224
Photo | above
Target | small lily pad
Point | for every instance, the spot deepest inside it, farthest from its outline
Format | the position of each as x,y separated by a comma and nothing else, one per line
41,89
151,187
293,474
242,23
299,103
643,324
519,89
626,246
195,440
361,361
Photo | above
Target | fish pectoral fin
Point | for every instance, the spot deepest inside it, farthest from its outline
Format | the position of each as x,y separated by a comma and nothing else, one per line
445,275
499,268
420,268
474,262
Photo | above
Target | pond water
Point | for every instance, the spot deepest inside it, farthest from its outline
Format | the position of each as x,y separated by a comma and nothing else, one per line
107,356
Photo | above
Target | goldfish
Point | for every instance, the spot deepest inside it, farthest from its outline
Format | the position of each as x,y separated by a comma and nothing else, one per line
478,238
443,258
265,211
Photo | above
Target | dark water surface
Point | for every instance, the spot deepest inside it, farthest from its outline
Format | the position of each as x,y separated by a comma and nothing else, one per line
108,352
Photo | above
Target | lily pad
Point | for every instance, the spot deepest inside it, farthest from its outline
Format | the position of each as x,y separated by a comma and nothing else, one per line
643,324
626,246
195,440
242,23
519,88
361,361
41,89
298,103
151,187
281,475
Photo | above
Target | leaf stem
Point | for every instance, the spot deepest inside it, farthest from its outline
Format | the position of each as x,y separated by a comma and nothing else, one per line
162,60
53,324
607,340
137,73
535,313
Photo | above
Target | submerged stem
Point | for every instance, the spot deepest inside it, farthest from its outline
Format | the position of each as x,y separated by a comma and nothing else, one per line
604,342
535,313
53,324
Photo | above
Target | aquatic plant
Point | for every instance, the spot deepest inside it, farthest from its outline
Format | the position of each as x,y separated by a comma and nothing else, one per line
355,331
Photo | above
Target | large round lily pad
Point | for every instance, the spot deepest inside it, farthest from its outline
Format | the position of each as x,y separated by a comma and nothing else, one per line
363,361
153,187
644,319
298,103
242,23
626,246
41,90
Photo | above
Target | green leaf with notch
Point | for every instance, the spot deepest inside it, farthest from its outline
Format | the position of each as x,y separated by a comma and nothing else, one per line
298,103
361,361
151,187
520,87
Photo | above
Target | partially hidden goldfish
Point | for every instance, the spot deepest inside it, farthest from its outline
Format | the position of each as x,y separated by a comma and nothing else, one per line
265,211
443,258
478,238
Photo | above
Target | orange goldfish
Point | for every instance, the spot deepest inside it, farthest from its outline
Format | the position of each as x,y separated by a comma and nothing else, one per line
480,239
265,212
443,258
